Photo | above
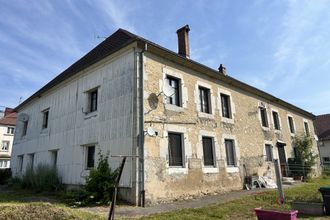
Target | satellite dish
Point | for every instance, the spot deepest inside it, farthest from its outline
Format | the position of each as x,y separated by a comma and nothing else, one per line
153,101
151,131
167,89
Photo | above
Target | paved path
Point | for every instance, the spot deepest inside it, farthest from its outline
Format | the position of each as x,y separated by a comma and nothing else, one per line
136,212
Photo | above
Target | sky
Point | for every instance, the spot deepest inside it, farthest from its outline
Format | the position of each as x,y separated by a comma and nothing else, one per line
281,47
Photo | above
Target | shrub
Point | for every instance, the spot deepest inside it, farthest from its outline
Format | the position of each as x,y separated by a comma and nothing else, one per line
43,178
5,174
101,181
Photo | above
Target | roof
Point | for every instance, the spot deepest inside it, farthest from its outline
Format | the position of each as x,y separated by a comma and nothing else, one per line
322,126
122,38
9,119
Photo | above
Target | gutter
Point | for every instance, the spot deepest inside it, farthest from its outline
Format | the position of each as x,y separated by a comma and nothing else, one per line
141,125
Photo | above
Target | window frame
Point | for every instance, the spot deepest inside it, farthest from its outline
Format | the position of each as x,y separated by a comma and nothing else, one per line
205,105
234,156
263,117
225,99
87,167
25,128
276,120
306,128
177,94
213,164
292,128
2,146
183,162
20,162
45,118
269,157
12,129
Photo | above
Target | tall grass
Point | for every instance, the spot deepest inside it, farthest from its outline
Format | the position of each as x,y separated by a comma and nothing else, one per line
44,178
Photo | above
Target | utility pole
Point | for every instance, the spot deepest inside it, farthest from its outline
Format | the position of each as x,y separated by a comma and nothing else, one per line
279,181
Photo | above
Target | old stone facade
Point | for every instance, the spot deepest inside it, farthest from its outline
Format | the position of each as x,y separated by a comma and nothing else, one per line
164,182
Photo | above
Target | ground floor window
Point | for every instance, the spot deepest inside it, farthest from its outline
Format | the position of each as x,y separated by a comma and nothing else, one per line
208,151
175,149
90,157
326,160
20,162
230,153
4,163
269,152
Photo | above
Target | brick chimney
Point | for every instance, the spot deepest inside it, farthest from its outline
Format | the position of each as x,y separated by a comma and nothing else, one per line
183,41
8,111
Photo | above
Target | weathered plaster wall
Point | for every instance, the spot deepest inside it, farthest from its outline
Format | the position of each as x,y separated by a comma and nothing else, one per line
164,183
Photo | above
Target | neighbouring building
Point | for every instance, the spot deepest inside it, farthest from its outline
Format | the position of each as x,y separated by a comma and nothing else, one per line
7,129
190,129
322,128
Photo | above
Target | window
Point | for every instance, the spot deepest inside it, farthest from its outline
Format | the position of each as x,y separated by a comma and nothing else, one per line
45,119
306,128
20,162
25,125
269,152
204,95
263,115
90,160
291,125
5,146
225,106
4,164
208,151
326,160
175,99
31,160
276,120
10,130
53,158
92,97
175,149
230,153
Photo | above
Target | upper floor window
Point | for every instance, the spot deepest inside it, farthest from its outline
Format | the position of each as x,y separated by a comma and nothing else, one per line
230,153
92,100
45,116
276,119
225,106
306,127
263,115
291,125
90,157
205,99
25,126
208,151
5,146
175,83
10,130
175,149
269,152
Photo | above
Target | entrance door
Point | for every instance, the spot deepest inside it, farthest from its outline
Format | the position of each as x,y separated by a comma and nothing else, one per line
282,157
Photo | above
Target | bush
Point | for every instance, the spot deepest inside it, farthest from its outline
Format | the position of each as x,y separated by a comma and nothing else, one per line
43,178
5,174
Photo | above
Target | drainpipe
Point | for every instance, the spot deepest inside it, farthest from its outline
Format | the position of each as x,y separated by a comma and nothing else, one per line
141,127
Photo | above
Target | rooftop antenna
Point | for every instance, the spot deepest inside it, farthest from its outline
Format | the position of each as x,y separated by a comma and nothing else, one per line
20,100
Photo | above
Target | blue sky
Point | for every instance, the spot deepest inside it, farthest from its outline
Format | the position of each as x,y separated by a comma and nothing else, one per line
281,47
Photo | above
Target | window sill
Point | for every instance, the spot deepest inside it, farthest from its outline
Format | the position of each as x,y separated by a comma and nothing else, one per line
227,120
232,169
177,170
85,173
44,131
205,115
210,170
90,115
174,108
8,134
292,134
277,131
265,128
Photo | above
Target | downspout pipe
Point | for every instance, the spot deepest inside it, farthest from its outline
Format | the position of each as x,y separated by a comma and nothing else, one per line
141,126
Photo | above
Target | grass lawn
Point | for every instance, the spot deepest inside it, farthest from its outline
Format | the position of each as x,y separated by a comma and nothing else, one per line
243,208
20,205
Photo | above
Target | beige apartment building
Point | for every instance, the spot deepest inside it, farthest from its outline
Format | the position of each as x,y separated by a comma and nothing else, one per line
190,129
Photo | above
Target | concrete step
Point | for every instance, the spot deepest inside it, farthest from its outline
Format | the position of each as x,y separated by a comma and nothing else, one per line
287,179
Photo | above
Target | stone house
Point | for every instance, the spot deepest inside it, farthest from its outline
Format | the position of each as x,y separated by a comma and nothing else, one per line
204,137
322,128
7,129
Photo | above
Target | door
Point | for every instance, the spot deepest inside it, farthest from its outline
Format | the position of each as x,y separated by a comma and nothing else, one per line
282,157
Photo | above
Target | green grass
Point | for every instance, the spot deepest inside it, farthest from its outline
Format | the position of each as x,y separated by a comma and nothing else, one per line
244,208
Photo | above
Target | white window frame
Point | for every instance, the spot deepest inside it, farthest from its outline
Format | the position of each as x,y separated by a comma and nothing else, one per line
197,100
223,153
216,151
2,146
232,106
10,128
279,120
87,109
183,90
